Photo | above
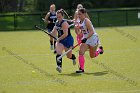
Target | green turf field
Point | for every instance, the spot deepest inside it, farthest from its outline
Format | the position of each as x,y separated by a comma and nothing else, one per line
27,65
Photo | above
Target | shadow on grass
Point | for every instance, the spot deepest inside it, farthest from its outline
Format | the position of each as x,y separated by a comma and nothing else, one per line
97,73
71,74
79,74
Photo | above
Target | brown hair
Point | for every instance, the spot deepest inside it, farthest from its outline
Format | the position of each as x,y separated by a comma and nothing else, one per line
82,10
60,12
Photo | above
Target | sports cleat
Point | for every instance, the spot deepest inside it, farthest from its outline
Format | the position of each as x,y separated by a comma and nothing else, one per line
73,59
51,47
102,51
59,69
80,71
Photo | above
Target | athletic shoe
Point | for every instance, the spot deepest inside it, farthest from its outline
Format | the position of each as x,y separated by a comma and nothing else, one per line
74,61
59,69
51,47
101,49
80,71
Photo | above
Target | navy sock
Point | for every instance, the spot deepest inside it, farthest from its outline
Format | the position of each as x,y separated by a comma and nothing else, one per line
59,63
54,44
73,57
51,42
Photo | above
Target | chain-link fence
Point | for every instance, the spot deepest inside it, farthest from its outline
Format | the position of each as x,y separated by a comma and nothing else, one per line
99,18
115,17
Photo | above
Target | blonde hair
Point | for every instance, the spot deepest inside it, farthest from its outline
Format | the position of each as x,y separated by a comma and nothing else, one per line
79,6
52,5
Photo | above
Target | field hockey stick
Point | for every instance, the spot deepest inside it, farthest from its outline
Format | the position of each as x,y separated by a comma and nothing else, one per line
69,17
45,31
71,22
44,20
58,59
71,25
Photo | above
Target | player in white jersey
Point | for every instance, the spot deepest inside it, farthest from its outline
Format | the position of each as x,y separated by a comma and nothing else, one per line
77,20
89,40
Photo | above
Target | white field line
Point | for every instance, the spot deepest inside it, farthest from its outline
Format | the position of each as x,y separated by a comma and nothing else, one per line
51,81
113,51
19,41
26,55
125,91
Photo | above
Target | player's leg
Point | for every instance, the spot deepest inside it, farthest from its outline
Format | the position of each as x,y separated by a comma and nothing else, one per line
78,33
59,50
51,40
79,37
69,44
98,51
54,43
83,48
71,56
51,43
94,51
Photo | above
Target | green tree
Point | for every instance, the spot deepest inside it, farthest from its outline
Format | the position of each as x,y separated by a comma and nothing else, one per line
8,5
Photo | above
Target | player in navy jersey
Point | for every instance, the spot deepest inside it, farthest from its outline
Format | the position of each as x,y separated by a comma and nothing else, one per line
65,39
50,18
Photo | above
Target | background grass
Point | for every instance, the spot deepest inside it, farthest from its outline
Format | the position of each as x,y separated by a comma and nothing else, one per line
116,71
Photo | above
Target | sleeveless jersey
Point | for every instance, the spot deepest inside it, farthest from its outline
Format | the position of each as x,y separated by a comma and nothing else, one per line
59,28
84,29
52,18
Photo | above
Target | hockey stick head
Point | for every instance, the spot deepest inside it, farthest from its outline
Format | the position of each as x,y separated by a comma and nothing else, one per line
58,60
43,19
35,26
71,25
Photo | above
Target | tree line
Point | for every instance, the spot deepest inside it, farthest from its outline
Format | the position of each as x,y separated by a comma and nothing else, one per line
43,5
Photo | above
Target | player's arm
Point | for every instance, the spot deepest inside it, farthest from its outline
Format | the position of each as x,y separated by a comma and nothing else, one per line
54,31
76,24
89,27
75,16
65,27
46,17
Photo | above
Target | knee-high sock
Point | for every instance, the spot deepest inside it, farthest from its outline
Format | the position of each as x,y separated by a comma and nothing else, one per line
78,39
81,61
54,44
97,52
51,42
73,57
59,63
